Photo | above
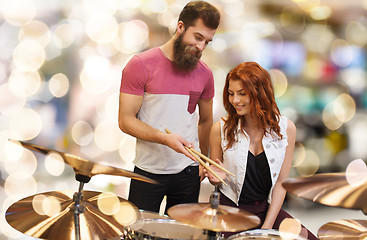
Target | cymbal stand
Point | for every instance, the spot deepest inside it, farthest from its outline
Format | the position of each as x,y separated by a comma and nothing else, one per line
79,205
214,203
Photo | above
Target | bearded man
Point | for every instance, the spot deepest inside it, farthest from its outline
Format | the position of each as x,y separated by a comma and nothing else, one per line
160,89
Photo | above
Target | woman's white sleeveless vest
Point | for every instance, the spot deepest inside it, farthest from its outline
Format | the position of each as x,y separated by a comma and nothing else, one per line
235,159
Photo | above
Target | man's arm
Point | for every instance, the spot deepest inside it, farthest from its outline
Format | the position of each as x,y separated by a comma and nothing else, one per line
129,106
205,124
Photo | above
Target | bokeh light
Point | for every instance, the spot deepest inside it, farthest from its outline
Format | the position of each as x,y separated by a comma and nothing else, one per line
25,164
10,102
341,53
127,148
46,205
290,225
19,185
310,163
82,133
108,203
64,35
102,28
54,164
356,33
132,37
356,172
24,83
35,30
107,136
293,19
19,12
29,55
126,214
95,75
320,12
344,107
59,85
280,82
26,124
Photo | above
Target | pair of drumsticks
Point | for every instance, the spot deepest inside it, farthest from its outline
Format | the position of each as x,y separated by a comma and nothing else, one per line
198,155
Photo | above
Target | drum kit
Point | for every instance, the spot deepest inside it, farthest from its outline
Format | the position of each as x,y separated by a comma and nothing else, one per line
90,215
93,215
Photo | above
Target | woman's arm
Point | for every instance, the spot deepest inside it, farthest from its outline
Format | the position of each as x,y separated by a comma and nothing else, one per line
279,192
216,154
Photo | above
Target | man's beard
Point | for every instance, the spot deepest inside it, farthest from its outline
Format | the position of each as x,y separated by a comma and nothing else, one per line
183,56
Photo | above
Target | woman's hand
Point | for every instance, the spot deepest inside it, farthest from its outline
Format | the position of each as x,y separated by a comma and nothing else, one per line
212,179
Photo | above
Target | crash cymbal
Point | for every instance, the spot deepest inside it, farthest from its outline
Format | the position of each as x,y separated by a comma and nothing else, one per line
331,189
344,229
50,215
85,167
222,219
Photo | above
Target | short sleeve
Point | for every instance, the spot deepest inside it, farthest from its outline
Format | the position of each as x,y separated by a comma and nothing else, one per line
133,78
208,91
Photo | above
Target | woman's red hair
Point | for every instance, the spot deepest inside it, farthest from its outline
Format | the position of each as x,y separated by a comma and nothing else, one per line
257,84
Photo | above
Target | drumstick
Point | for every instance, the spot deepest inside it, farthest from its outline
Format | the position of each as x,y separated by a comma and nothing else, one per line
211,161
206,158
201,161
204,165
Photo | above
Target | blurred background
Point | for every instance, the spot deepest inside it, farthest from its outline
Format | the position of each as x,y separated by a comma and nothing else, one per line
60,71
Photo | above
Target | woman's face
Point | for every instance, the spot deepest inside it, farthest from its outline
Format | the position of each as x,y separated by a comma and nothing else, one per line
238,97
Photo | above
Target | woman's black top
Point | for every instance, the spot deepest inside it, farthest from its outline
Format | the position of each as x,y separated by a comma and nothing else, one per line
257,182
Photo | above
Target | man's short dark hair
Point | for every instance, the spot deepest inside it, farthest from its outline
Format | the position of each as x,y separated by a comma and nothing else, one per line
200,9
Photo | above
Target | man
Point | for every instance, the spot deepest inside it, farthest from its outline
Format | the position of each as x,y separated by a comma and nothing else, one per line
160,89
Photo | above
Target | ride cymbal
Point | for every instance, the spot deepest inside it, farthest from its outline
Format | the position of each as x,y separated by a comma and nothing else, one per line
331,189
50,215
344,229
222,219
85,167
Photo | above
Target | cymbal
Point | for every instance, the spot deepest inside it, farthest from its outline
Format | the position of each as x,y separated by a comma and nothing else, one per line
50,215
344,229
331,189
86,167
222,219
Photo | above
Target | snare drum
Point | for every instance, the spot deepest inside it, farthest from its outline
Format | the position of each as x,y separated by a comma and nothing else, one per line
152,215
158,229
265,234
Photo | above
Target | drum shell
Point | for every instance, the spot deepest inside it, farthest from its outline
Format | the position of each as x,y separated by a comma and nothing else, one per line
162,229
269,234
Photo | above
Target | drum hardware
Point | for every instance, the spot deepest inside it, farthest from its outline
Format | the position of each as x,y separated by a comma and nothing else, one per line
79,213
214,217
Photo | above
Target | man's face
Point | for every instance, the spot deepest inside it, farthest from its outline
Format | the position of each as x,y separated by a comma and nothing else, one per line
190,44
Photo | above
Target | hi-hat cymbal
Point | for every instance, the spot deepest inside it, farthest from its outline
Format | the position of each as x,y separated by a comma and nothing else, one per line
344,229
222,219
331,189
86,167
50,215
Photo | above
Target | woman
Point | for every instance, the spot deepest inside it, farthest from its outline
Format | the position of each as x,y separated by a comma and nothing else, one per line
255,142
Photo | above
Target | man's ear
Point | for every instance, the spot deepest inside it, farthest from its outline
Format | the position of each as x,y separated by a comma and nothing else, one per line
180,27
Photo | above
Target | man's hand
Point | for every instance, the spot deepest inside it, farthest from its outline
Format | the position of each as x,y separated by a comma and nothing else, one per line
178,143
